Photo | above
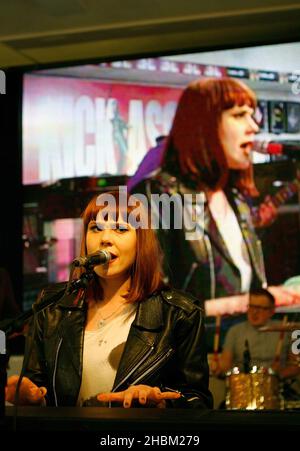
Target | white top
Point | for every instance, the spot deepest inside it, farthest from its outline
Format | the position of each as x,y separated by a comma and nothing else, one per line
230,231
102,351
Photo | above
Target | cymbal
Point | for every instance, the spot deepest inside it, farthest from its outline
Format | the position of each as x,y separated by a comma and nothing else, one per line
280,327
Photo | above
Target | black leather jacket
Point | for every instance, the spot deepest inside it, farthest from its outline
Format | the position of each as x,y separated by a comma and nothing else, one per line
165,347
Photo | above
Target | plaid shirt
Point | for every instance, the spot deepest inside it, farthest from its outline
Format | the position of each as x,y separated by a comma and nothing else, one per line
204,266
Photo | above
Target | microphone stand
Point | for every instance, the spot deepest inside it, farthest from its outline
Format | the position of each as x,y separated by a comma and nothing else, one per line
8,327
83,280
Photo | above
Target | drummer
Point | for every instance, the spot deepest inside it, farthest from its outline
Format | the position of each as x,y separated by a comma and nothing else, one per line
246,345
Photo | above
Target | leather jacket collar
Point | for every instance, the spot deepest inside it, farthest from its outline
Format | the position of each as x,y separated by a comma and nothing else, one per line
148,316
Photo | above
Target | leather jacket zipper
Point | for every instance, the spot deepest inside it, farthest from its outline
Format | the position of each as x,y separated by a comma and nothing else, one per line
153,367
134,368
56,357
54,372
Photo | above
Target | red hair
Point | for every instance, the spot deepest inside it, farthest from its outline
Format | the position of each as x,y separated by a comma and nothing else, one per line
146,272
193,147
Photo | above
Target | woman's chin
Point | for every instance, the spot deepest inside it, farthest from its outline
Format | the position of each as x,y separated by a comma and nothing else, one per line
111,274
241,166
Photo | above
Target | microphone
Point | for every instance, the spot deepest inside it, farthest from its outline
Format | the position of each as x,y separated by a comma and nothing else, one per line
277,147
97,258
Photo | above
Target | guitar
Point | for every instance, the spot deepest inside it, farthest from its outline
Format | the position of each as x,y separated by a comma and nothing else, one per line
282,196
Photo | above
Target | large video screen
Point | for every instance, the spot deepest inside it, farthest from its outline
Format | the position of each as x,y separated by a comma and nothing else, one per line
102,119
98,122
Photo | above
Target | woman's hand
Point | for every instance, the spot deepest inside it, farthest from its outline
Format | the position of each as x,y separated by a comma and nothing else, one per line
238,304
147,396
29,392
285,295
267,213
229,305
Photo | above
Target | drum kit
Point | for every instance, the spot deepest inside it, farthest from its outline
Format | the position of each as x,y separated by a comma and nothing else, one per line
259,388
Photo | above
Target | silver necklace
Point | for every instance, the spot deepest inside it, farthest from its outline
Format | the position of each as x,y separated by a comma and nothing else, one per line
102,321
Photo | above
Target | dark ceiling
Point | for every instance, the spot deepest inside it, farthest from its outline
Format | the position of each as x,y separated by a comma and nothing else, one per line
49,31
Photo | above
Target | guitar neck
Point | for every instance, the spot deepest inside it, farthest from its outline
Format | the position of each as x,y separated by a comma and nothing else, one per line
284,194
278,199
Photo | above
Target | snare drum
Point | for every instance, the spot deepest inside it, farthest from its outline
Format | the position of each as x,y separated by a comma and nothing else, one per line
257,390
